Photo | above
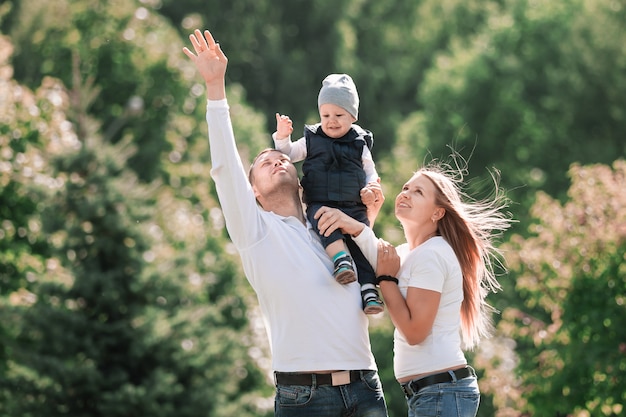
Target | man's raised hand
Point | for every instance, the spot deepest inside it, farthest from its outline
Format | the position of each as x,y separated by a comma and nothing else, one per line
210,62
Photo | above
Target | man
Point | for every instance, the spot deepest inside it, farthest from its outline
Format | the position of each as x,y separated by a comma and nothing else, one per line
318,333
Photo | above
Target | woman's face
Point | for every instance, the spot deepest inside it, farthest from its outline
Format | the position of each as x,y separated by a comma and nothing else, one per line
416,202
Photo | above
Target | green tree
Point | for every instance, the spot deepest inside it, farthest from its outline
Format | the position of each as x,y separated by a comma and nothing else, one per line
536,89
530,87
571,273
19,166
381,337
127,315
23,126
279,51
125,49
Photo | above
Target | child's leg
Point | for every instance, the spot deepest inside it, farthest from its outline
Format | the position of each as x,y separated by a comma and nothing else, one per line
335,248
344,271
372,304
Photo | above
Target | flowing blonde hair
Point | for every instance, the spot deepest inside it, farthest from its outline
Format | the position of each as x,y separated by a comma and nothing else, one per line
470,227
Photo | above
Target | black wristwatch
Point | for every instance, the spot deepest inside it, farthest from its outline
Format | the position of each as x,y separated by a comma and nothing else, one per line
386,278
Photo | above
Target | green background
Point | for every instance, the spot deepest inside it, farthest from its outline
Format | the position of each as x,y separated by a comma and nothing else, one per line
120,292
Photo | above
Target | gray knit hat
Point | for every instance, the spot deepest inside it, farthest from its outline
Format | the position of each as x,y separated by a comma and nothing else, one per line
340,90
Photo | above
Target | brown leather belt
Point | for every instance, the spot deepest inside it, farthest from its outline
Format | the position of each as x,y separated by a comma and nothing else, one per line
334,379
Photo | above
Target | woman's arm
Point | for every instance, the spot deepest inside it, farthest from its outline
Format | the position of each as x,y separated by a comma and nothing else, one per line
331,219
413,316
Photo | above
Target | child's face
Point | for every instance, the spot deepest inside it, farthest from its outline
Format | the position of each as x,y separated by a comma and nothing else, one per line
336,121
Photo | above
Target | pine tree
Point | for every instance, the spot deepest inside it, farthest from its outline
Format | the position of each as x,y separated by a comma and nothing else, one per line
129,317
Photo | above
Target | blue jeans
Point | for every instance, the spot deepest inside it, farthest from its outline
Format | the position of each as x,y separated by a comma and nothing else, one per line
363,398
451,399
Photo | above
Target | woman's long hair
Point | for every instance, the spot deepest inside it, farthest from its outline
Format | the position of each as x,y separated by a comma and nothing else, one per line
470,226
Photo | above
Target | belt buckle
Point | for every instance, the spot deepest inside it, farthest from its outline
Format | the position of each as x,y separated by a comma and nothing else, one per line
408,390
340,378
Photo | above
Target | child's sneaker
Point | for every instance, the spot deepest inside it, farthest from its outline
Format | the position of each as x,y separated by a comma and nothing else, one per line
344,272
373,306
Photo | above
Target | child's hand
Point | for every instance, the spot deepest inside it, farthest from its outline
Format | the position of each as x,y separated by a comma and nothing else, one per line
284,126
372,194
367,196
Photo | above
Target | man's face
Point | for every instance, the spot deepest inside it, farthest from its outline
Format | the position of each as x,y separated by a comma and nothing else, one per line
273,171
336,121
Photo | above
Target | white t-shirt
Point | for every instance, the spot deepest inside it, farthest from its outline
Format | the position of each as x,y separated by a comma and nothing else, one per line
433,266
313,323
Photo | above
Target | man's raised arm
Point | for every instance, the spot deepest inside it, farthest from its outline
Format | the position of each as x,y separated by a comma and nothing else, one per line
233,188
210,62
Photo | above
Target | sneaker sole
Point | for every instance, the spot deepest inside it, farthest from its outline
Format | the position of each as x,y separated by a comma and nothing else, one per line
345,277
374,309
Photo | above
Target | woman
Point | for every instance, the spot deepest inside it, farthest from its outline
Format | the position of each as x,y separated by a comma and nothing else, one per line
435,286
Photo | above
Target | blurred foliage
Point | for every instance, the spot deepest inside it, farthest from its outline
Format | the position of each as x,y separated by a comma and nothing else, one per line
106,196
120,47
23,181
381,338
570,342
106,301
535,90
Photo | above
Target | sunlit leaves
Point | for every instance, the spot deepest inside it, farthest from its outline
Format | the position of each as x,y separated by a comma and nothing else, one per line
571,275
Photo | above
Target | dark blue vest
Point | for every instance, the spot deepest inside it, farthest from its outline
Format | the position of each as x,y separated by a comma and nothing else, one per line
333,169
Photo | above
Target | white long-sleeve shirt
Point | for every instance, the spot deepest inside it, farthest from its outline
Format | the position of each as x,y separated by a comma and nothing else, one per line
313,323
434,266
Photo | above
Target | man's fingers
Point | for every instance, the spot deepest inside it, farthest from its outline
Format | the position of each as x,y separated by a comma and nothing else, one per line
219,53
209,39
189,53
202,42
319,212
195,42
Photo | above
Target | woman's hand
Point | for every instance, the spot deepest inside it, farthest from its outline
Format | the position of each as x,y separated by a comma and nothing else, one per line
331,219
388,259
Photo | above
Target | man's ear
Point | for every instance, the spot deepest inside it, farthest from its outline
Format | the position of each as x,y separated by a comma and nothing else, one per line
256,193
